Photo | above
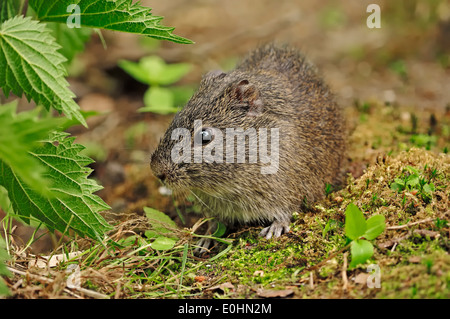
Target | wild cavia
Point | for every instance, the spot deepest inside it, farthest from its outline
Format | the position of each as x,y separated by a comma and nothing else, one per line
279,108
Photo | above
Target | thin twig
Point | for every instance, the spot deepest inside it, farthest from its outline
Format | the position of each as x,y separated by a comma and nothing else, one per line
311,280
344,272
24,8
410,224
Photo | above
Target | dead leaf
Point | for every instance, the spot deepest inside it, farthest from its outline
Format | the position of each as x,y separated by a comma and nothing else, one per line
52,261
361,278
415,259
338,199
259,273
271,293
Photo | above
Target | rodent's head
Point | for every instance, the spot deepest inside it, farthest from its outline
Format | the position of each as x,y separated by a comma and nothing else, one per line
223,101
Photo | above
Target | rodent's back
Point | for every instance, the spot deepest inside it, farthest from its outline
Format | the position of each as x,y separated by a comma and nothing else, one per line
319,137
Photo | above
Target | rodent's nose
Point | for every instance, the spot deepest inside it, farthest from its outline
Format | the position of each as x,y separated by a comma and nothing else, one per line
161,176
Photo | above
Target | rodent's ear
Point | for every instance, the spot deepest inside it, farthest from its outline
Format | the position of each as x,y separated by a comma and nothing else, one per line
248,93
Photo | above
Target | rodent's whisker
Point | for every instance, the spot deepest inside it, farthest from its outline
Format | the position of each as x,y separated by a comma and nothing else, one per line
201,202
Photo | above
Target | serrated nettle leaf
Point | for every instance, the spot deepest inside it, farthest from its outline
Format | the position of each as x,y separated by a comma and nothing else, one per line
71,40
355,223
361,250
19,134
375,226
74,203
119,15
30,64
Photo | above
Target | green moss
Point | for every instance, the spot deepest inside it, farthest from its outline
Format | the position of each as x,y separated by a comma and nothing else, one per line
430,278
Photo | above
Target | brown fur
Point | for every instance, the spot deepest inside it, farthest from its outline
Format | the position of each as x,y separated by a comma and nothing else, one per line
273,87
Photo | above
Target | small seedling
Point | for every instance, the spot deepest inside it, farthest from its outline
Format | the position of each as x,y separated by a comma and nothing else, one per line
411,181
440,223
328,189
360,231
424,140
399,67
331,225
161,97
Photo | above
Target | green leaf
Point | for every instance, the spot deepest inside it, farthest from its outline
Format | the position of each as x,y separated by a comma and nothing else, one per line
30,64
7,10
74,203
375,226
160,73
159,100
163,243
3,270
330,225
220,230
412,170
72,41
118,15
153,70
19,134
135,70
161,223
173,73
361,250
397,187
413,181
355,223
428,188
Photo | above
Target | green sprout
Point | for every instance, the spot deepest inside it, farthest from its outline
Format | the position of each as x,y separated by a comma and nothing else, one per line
411,180
161,97
360,231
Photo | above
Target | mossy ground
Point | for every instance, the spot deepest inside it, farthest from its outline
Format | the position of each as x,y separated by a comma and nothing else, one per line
408,58
413,260
309,261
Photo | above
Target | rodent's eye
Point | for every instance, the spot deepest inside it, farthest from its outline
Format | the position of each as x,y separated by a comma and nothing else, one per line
205,136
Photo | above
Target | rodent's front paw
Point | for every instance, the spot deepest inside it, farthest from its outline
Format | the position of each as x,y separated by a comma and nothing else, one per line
276,229
202,246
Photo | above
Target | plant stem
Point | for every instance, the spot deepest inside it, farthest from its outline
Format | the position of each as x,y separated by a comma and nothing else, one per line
23,7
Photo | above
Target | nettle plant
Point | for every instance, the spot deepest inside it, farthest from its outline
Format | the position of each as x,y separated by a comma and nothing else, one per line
43,176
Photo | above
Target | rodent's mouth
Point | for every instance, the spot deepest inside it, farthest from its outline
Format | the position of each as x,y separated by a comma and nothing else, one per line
174,183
